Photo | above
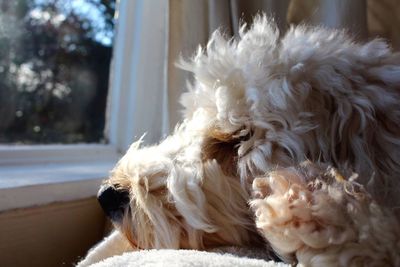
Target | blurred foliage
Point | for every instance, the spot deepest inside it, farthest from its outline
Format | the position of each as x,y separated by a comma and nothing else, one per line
54,67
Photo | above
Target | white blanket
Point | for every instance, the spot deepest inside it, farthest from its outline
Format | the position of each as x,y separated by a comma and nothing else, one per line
190,258
115,250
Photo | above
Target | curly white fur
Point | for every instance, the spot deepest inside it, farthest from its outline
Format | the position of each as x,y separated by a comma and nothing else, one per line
314,94
262,103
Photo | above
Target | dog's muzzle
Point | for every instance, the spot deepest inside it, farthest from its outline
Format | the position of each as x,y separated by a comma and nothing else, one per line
114,201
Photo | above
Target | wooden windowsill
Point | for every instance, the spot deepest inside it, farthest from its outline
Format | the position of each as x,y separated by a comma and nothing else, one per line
37,184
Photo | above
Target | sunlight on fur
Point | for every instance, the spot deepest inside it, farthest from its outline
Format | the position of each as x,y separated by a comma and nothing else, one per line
177,200
259,107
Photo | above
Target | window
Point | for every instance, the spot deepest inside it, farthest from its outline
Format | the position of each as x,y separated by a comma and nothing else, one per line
54,68
37,165
55,60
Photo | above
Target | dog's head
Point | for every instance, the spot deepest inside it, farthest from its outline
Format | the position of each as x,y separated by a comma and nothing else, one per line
311,94
165,196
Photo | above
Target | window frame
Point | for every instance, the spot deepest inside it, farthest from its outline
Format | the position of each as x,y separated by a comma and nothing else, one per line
40,174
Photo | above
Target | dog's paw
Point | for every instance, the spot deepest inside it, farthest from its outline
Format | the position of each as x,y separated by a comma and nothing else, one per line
285,212
281,199
314,215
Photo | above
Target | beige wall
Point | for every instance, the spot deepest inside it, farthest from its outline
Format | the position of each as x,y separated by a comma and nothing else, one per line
52,235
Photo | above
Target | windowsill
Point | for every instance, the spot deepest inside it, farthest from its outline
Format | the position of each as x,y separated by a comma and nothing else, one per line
39,183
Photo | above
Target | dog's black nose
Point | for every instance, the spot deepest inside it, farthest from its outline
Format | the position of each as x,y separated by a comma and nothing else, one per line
114,201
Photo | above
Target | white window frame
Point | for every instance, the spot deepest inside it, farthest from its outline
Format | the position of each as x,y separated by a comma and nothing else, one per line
40,174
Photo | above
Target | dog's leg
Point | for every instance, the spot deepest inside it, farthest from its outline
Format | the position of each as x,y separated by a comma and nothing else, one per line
112,245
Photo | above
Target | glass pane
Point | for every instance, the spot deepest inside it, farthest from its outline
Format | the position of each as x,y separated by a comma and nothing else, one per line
54,67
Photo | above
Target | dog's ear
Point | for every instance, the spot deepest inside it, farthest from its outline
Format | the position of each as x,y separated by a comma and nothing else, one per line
352,93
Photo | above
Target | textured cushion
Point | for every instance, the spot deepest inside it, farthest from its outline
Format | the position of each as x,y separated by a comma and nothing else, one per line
192,258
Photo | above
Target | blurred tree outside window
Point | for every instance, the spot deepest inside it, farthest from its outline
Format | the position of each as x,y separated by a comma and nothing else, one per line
54,69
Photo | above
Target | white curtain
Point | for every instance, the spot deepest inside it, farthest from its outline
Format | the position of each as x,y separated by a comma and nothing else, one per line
151,35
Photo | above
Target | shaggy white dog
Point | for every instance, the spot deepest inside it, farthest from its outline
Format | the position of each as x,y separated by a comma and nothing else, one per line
302,130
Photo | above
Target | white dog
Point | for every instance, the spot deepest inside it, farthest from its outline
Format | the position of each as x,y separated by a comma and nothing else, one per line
292,143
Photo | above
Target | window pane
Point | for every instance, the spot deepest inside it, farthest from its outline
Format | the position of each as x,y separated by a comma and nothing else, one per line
54,68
